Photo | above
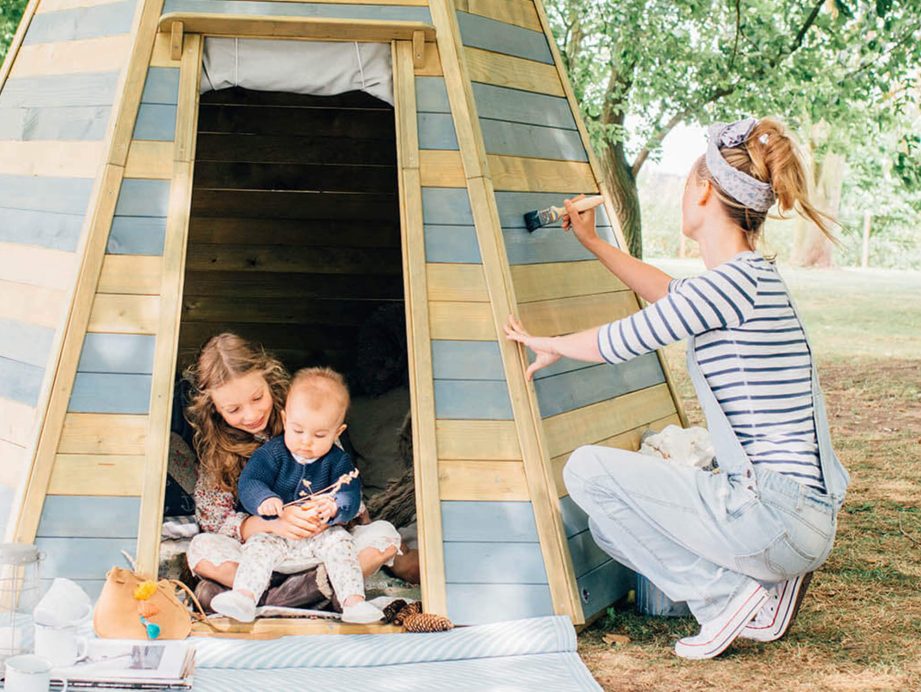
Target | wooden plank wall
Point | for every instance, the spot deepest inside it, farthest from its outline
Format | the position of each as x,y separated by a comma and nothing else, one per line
55,108
537,155
294,237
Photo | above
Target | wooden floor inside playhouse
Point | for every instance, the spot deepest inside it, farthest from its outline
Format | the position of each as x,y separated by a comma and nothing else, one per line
294,243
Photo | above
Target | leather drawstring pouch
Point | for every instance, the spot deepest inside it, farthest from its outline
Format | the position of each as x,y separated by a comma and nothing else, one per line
132,607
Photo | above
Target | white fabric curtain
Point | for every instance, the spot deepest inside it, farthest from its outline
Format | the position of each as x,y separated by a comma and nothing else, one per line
301,67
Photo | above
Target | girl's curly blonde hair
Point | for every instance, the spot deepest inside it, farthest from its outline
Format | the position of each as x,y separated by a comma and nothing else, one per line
224,450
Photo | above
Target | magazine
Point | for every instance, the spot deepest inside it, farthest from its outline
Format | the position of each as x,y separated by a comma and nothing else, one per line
131,664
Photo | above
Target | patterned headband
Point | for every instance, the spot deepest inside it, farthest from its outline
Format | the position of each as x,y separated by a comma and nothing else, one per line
743,188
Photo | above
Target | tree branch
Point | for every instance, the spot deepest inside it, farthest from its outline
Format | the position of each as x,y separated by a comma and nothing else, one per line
735,45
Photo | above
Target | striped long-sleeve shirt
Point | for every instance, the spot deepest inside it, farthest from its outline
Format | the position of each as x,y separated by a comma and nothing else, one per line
752,350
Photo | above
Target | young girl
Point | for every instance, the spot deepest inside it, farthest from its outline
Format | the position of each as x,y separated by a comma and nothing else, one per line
239,394
739,546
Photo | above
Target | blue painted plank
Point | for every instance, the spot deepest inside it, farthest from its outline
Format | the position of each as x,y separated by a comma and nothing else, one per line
161,86
141,197
436,131
137,235
514,205
43,228
561,366
20,381
432,95
466,360
83,558
603,586
81,516
575,520
514,105
586,555
548,244
92,587
79,123
534,141
477,604
585,386
502,522
117,353
452,244
81,23
489,34
96,392
300,9
472,400
56,195
155,122
446,206
60,91
26,343
494,563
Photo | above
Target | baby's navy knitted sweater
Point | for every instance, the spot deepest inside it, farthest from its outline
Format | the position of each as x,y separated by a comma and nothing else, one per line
273,471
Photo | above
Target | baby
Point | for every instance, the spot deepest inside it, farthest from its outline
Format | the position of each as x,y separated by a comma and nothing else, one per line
303,461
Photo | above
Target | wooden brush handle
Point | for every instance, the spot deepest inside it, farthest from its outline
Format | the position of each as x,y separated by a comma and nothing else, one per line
587,203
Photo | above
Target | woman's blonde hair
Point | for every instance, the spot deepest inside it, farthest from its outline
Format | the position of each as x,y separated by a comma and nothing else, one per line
771,155
222,449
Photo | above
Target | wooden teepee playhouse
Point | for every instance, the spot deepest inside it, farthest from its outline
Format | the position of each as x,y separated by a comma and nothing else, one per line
104,280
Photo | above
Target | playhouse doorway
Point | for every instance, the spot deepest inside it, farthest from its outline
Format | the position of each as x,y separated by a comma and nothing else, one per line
295,243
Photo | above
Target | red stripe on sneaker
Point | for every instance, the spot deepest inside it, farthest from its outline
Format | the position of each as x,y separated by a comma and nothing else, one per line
730,619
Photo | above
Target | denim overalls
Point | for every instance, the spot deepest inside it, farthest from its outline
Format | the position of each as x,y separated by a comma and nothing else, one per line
702,537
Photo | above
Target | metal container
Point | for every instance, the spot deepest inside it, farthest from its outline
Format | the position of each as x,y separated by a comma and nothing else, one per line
652,601
20,590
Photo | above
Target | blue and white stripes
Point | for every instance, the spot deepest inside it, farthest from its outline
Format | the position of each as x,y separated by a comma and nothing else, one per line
752,349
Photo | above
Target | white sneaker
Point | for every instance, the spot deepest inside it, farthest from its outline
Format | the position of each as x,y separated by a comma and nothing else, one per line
234,605
774,619
717,634
362,613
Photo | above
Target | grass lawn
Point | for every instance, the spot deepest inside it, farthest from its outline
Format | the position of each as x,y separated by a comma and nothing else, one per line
860,624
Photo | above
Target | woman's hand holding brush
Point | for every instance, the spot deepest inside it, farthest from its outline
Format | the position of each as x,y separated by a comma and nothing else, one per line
581,223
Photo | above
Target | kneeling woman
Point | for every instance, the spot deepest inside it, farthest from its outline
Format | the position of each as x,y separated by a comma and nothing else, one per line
740,545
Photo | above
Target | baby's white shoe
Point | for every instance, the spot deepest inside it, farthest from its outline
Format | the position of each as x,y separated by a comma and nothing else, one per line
234,605
361,613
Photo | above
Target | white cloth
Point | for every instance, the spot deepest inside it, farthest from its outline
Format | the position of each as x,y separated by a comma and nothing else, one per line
685,446
301,67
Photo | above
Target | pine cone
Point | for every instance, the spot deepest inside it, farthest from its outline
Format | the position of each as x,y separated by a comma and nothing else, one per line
427,622
393,610
408,609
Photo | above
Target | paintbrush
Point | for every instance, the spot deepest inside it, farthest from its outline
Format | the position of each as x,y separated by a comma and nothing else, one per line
541,217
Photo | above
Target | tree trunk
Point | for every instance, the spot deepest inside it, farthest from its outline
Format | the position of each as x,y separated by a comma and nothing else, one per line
810,247
621,183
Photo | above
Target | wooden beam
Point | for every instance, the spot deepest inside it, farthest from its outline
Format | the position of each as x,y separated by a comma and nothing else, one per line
175,43
418,49
318,28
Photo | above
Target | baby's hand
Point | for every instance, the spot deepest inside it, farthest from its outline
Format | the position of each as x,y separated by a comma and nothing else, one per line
271,507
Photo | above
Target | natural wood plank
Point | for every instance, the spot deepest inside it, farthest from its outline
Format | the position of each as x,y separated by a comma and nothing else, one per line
161,52
456,282
124,314
518,12
316,28
509,71
148,159
441,168
17,421
431,66
103,433
31,304
451,320
567,315
477,439
40,266
132,274
103,54
461,479
566,431
419,334
526,175
91,474
562,279
51,159
625,440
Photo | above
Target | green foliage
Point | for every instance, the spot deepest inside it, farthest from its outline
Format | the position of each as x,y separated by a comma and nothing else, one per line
844,68
10,14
